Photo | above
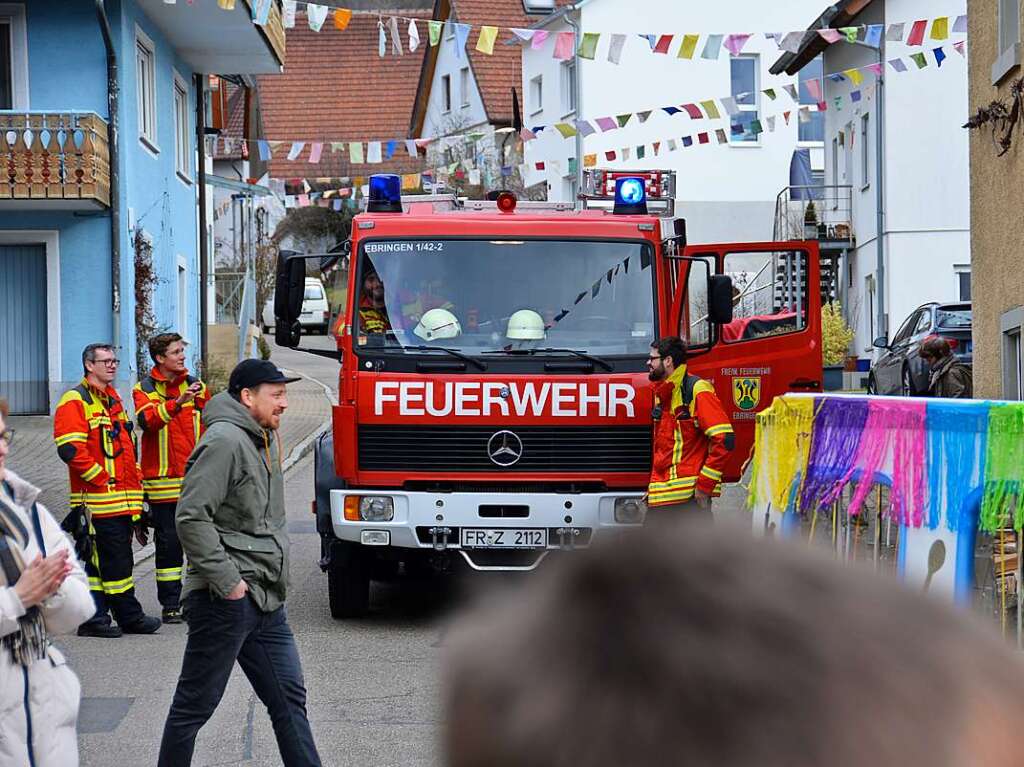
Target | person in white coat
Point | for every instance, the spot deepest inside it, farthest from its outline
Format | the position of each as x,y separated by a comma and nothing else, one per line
43,592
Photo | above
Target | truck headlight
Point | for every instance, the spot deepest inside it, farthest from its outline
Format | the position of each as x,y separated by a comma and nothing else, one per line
377,508
630,511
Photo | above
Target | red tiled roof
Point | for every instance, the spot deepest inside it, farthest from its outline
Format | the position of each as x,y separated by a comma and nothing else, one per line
335,88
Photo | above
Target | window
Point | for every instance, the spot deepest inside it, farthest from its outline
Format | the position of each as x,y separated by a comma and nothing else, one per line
568,87
924,323
1009,40
962,273
1009,24
13,57
145,84
835,160
182,299
181,129
769,294
865,155
1013,380
847,140
446,93
6,66
744,91
536,94
813,129
464,86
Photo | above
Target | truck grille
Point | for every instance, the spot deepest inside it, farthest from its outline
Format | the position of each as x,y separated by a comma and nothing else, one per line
467,448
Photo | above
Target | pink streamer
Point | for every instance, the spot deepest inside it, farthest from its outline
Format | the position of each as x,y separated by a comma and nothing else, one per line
539,37
896,429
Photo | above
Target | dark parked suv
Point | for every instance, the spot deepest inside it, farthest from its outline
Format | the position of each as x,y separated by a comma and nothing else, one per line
900,370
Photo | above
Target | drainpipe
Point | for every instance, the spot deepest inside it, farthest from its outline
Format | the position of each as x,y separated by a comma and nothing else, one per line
115,173
574,25
204,256
879,182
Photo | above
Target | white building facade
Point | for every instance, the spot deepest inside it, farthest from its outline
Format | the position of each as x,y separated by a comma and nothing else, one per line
727,193
924,172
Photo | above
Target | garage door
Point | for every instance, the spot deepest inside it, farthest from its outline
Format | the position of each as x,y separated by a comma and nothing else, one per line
23,360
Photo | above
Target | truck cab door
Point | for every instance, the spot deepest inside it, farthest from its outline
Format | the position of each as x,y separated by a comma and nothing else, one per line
773,343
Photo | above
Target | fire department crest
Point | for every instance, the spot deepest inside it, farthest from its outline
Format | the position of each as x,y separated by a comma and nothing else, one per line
746,392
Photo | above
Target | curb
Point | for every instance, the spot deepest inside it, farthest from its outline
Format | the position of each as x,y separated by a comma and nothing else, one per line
297,453
306,446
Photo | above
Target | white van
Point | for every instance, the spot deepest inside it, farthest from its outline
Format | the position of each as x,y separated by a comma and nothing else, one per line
316,312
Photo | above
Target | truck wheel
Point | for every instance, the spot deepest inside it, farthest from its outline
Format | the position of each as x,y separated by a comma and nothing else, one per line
348,588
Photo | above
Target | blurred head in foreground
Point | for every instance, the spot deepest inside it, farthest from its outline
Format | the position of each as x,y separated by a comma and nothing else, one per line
701,647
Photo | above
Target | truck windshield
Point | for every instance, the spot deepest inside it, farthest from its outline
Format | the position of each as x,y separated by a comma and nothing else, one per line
481,296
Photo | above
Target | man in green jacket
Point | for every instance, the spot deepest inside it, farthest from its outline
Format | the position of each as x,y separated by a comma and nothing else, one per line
231,523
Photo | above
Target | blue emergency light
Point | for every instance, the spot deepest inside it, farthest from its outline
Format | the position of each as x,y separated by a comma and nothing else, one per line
385,194
630,196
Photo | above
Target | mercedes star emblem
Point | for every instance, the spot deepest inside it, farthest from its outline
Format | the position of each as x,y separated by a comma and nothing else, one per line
504,448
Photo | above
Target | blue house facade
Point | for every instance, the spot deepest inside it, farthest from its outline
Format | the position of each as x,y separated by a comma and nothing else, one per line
91,218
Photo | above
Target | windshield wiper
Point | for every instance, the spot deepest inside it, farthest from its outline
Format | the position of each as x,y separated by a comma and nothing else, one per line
553,350
453,352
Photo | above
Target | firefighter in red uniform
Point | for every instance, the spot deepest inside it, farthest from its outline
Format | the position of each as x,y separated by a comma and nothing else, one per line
168,407
373,315
93,437
693,436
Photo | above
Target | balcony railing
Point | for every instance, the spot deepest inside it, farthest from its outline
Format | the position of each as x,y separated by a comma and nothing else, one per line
57,160
830,220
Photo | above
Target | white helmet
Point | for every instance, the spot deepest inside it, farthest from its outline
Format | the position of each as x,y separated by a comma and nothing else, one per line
526,325
437,324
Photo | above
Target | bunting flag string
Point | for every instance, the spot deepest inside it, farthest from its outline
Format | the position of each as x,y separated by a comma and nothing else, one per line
702,109
921,32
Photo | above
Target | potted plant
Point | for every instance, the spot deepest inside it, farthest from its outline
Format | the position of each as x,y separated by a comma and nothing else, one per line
836,337
810,221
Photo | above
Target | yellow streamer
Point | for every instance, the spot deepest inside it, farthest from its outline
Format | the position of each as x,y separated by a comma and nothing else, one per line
782,443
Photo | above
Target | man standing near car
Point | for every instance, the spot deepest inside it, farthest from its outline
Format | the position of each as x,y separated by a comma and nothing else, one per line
168,407
231,522
949,377
692,434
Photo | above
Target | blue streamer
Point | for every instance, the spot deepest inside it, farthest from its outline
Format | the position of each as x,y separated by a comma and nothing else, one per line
957,437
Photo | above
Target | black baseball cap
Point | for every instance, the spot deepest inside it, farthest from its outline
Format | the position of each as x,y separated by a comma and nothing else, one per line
250,373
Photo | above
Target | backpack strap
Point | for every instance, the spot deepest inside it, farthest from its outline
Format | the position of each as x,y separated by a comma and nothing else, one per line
148,385
688,384
84,393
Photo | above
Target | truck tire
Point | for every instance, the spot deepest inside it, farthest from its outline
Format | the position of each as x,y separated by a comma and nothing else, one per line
348,588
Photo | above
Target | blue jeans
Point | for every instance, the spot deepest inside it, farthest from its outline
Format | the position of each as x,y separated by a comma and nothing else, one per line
221,631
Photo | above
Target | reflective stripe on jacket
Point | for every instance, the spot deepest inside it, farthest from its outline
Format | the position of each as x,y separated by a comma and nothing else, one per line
93,437
692,441
168,432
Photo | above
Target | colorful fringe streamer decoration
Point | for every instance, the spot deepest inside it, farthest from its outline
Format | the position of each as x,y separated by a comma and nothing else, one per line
1003,498
895,431
956,458
782,442
838,425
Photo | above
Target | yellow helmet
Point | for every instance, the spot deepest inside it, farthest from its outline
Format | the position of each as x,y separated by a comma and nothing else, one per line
438,324
526,325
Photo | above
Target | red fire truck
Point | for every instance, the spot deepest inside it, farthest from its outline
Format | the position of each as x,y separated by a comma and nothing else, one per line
494,405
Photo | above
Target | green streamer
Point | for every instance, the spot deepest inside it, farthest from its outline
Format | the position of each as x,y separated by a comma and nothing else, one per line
1004,468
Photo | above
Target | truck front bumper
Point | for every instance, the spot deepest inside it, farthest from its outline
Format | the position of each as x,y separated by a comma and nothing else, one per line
424,520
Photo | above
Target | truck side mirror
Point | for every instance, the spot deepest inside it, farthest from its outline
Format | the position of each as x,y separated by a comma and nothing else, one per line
288,290
720,299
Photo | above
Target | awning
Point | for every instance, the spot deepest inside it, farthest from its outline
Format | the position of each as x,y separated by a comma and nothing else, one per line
238,186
